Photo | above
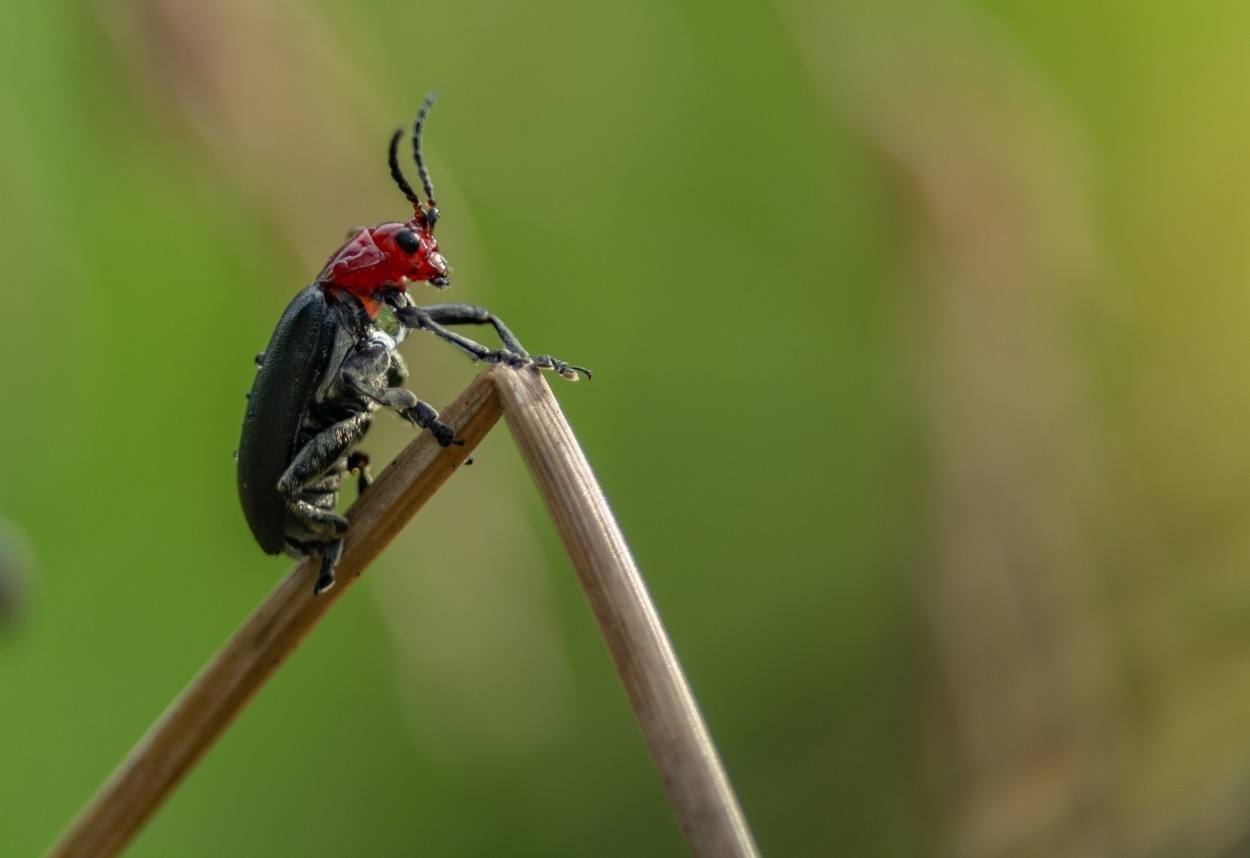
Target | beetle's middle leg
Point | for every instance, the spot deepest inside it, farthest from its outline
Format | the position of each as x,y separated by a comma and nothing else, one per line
372,362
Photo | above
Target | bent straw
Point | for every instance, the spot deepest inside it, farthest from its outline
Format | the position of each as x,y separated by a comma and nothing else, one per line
698,789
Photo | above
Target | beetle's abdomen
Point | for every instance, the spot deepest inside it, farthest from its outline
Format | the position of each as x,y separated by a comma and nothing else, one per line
295,363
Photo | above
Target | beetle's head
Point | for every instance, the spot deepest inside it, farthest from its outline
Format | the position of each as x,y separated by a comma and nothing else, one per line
381,261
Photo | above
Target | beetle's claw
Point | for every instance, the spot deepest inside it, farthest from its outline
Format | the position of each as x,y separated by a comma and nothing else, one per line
564,370
517,360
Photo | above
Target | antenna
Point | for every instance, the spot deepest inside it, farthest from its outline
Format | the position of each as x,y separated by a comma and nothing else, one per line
398,174
417,127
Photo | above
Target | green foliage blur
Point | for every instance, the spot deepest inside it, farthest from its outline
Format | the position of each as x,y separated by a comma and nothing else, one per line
919,342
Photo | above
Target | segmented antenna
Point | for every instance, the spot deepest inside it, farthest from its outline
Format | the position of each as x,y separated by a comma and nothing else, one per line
417,128
398,174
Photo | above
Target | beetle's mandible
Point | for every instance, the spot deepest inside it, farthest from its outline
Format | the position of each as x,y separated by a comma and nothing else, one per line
331,363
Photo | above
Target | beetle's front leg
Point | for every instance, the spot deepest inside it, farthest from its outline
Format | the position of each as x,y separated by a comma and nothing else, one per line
435,316
418,318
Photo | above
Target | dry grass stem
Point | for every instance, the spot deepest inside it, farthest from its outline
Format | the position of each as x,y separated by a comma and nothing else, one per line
702,799
671,723
207,706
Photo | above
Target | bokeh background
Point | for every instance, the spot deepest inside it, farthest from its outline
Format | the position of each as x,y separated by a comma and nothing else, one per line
919,331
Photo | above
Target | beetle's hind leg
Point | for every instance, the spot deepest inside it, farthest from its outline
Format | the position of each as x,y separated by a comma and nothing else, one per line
330,555
310,488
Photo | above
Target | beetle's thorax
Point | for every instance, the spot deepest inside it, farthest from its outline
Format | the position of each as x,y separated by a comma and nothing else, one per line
381,261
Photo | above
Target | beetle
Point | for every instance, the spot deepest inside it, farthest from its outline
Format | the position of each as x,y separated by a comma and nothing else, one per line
331,363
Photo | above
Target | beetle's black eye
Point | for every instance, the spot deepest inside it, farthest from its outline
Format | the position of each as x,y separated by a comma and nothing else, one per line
407,240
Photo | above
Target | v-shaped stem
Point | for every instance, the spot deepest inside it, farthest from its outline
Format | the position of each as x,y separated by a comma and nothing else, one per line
698,788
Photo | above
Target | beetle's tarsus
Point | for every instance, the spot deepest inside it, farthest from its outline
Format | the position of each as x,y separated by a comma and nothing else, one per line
424,415
520,361
444,433
329,559
564,370
508,357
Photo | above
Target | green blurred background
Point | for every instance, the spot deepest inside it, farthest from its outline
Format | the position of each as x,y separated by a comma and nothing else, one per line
919,339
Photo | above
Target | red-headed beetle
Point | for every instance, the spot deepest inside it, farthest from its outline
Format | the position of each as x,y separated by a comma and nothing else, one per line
331,363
